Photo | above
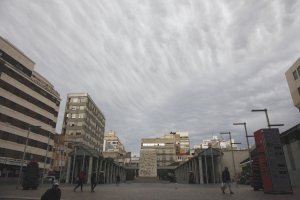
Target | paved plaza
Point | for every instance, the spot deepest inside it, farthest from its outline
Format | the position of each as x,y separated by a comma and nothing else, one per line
147,191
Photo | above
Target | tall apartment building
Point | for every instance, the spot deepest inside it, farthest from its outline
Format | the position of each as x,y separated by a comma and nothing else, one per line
182,143
84,123
29,107
293,78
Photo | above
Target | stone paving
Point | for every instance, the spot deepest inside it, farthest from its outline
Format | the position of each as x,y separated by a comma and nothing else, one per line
148,191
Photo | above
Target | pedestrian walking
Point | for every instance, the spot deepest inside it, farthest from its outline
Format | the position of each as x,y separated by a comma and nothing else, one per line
80,180
53,193
118,179
226,181
93,182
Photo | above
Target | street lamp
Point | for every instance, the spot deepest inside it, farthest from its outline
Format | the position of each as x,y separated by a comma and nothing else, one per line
24,152
247,136
268,121
231,143
45,160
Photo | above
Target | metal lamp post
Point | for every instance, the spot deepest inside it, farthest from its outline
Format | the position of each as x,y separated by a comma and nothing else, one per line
46,157
231,143
247,136
24,153
267,116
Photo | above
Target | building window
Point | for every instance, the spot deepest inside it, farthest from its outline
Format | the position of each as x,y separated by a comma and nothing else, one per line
73,108
74,100
81,107
295,74
79,123
78,133
82,100
81,115
73,116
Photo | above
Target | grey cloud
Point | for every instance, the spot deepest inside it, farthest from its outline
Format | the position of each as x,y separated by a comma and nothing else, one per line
156,66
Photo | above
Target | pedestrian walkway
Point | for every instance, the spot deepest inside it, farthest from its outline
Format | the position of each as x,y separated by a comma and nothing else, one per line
147,191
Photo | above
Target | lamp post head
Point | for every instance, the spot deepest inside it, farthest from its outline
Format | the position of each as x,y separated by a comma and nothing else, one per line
239,123
259,110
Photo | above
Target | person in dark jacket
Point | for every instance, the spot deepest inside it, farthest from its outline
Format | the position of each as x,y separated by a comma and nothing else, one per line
93,182
53,193
118,179
80,180
226,180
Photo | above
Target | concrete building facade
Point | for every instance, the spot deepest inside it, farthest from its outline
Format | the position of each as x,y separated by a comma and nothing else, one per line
293,79
28,109
113,148
216,142
290,140
165,149
83,122
83,132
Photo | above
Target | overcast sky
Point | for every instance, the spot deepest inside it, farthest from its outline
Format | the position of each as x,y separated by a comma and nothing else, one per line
164,65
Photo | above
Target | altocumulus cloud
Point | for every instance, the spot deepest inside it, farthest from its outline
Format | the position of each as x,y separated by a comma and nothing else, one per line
156,66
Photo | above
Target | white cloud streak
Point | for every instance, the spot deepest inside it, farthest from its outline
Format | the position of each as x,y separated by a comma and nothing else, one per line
156,66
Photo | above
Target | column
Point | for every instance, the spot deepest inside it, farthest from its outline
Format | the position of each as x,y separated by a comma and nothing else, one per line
196,170
220,168
205,162
68,170
90,170
107,172
200,170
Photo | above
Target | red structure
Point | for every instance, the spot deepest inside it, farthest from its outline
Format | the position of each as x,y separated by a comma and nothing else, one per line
272,164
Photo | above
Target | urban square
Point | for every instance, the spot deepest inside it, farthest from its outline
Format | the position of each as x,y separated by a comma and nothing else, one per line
149,99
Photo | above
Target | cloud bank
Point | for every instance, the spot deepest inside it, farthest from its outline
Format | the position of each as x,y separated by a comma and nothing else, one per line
159,66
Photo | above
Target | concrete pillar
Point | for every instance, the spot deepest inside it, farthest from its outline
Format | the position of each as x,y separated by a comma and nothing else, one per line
90,169
206,174
200,170
108,172
196,170
68,170
220,168
111,166
104,172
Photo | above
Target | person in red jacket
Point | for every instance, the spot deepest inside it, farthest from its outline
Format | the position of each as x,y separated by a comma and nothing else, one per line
80,180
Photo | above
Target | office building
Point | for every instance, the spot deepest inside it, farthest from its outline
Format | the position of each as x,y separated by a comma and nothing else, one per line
29,107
